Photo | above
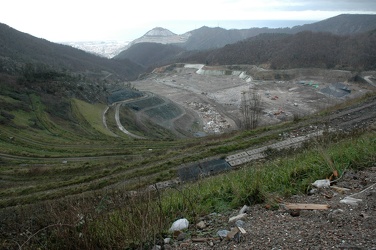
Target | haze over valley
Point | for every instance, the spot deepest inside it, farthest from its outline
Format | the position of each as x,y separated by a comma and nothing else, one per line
114,127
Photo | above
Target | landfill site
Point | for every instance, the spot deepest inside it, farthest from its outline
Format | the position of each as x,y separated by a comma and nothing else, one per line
217,93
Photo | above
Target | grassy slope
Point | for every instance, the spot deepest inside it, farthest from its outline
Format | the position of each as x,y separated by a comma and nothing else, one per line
92,113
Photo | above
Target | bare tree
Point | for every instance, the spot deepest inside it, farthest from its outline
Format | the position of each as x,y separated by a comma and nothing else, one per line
250,108
255,108
244,109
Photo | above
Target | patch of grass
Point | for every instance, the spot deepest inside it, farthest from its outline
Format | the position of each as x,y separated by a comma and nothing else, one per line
282,177
22,118
92,113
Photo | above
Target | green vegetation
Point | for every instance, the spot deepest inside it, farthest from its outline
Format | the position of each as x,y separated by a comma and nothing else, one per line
92,113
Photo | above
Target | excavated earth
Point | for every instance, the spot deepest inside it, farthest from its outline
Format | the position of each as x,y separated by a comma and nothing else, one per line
215,93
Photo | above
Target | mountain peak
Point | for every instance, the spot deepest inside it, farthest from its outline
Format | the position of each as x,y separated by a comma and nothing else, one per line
159,31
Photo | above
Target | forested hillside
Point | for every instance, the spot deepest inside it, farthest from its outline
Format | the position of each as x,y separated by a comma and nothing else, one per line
305,49
18,49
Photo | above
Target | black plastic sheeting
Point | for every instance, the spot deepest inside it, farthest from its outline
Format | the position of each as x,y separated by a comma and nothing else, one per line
123,94
202,169
337,90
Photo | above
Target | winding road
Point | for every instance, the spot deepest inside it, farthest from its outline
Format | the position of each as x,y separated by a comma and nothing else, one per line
117,116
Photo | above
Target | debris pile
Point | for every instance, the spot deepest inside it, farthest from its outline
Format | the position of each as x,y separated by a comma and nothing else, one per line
214,122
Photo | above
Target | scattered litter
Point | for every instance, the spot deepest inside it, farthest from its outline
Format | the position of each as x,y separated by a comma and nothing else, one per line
204,239
350,200
232,233
238,217
340,189
240,223
242,230
222,233
244,209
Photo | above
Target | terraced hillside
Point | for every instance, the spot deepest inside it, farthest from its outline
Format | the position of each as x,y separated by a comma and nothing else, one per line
49,152
55,156
53,162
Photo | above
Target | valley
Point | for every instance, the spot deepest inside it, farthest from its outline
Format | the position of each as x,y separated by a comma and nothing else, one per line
208,104
103,152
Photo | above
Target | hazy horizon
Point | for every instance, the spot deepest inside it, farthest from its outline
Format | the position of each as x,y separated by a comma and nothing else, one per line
94,20
181,27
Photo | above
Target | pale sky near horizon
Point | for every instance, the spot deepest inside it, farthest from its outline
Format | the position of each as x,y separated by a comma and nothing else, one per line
95,20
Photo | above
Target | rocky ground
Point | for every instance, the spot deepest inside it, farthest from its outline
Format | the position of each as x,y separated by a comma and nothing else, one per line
340,226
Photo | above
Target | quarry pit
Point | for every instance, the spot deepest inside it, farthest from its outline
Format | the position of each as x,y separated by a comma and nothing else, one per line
214,93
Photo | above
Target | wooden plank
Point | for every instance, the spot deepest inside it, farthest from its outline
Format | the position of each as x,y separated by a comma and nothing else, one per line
303,206
204,239
242,230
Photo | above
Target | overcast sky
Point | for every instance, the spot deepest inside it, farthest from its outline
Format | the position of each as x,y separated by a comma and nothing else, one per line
92,20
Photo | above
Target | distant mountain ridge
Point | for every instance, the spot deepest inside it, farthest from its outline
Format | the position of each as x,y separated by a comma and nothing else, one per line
206,38
210,38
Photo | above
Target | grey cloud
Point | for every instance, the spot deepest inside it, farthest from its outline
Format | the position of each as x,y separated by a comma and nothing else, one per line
333,5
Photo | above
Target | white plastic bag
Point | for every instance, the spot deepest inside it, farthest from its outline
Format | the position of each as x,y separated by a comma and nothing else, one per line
179,225
325,183
350,201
